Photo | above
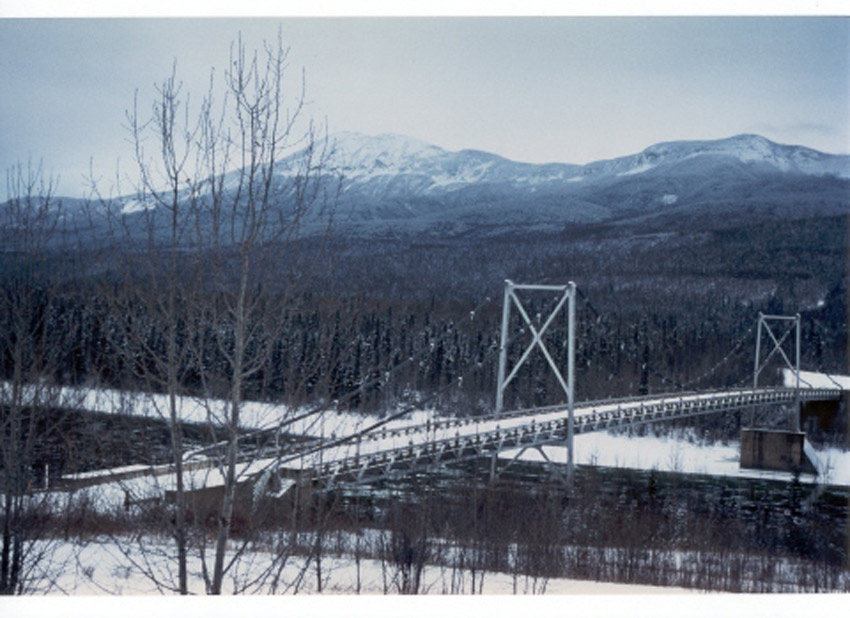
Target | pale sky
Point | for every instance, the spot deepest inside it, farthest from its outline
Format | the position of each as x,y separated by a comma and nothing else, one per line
536,89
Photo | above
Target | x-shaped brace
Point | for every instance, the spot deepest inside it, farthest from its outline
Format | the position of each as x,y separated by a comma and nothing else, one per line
537,339
777,343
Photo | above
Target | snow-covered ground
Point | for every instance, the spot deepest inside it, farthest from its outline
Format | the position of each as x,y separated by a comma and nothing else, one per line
253,414
117,566
676,453
812,379
145,565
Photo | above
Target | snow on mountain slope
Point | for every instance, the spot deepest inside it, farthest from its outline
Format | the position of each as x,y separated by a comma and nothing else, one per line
748,150
363,159
133,205
421,166
393,184
357,154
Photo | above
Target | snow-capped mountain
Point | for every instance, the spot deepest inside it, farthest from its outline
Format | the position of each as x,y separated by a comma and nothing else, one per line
395,184
385,158
747,150
363,158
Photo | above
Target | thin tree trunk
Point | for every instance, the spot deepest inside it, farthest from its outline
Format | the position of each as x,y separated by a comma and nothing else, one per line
229,498
7,544
180,515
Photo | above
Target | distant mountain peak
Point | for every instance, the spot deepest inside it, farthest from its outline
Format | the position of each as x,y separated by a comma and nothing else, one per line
747,149
388,151
393,184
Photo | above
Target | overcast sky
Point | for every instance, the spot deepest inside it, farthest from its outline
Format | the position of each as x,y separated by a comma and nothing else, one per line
531,89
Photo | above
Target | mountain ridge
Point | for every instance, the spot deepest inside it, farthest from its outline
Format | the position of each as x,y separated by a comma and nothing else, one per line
357,150
398,185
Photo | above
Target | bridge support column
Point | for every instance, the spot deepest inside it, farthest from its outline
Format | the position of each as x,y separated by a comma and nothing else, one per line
494,460
764,322
775,449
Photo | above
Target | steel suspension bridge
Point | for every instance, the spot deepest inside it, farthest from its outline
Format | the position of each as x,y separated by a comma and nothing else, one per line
377,451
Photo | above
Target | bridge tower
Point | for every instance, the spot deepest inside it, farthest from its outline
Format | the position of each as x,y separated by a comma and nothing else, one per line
764,323
567,297
773,449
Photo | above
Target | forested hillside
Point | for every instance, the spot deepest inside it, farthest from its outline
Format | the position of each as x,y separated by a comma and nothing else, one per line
657,312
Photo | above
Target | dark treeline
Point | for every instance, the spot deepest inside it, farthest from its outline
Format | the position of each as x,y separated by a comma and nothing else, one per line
647,322
637,527
379,325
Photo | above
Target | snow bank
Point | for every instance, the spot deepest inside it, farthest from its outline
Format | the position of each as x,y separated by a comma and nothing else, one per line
105,567
253,414
677,454
812,379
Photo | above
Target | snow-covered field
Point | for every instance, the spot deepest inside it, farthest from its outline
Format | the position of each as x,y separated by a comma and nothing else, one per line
677,453
116,567
253,414
145,565
812,379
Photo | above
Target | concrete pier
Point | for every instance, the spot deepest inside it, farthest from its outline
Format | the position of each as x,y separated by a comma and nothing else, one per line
775,449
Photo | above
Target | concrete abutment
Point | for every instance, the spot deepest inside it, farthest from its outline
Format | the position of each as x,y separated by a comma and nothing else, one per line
775,449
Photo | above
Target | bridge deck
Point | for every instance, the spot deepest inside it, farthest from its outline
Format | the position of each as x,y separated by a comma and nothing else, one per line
385,452
381,452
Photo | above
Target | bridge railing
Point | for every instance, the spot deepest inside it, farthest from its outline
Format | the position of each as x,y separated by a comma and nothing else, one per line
492,435
687,406
805,394
787,393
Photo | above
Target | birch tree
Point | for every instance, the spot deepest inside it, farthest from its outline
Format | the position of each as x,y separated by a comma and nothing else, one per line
256,214
31,264
215,230
150,294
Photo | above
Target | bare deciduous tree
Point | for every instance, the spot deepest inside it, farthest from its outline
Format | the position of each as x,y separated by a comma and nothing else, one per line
30,273
211,244
255,214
